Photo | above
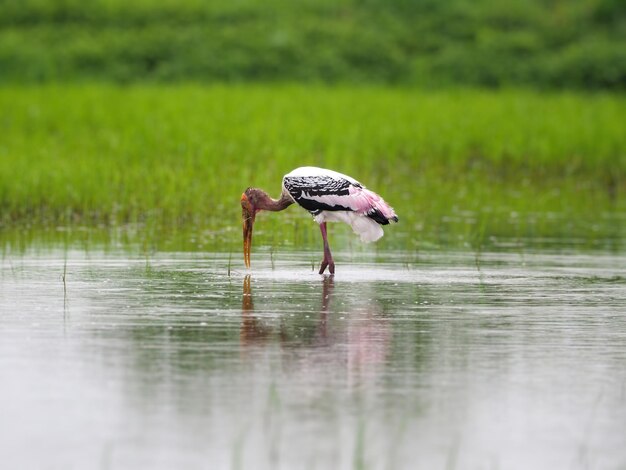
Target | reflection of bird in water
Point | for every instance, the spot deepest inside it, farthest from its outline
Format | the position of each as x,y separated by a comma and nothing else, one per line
357,342
330,197
322,327
252,330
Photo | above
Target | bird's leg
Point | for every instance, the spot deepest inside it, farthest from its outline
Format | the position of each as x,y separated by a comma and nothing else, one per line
328,258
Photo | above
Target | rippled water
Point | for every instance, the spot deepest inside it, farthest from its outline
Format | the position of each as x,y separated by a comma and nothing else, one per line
436,361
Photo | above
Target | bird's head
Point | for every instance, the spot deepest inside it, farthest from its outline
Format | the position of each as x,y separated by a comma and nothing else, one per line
248,213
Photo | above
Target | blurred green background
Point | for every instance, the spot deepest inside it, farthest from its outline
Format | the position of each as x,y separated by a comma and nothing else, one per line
481,122
544,43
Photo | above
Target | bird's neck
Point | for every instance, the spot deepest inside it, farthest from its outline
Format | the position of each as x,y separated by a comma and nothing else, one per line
266,203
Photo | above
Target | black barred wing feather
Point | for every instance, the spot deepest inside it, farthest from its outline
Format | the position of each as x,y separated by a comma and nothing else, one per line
320,192
325,191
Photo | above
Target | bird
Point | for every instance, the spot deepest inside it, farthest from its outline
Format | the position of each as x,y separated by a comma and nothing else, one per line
329,196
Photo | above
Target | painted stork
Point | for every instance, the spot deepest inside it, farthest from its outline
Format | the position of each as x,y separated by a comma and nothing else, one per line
330,197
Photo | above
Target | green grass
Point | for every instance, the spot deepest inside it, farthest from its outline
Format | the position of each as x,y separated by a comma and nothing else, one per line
575,44
462,165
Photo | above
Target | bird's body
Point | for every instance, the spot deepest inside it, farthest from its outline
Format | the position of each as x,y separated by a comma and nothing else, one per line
329,196
334,197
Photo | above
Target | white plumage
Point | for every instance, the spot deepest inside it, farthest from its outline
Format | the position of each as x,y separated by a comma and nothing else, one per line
367,230
309,171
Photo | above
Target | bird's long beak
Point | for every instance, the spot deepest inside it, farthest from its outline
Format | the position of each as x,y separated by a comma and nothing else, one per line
247,215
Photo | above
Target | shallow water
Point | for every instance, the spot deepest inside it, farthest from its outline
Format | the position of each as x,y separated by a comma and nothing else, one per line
436,361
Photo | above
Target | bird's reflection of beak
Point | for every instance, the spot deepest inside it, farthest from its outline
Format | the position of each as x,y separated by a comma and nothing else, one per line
248,221
247,305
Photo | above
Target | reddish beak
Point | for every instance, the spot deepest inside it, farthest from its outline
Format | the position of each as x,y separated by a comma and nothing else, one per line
248,221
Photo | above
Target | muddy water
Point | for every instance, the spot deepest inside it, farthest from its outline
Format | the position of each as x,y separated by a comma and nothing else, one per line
436,361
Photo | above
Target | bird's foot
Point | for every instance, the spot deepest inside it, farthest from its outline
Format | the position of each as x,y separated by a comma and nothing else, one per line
330,264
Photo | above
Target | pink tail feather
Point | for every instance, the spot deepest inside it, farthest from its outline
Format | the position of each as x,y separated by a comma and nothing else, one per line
367,202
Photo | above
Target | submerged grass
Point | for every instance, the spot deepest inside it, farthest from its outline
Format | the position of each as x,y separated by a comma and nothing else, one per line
474,164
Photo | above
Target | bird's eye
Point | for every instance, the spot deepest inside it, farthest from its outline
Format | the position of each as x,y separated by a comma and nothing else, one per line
245,204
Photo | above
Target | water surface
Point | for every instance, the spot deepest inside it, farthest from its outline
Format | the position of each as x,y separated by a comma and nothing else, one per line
429,361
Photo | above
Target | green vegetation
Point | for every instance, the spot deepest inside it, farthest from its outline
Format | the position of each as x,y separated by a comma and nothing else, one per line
155,115
540,43
459,166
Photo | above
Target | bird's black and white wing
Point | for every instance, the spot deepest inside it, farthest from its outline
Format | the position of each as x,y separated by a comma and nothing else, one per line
316,189
330,195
